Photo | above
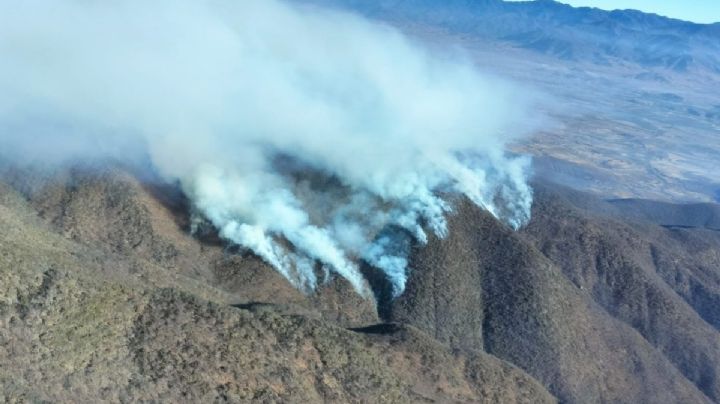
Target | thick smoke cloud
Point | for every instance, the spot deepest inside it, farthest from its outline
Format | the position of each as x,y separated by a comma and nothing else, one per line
314,138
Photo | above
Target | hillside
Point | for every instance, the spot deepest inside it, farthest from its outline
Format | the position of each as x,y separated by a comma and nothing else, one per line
108,301
108,297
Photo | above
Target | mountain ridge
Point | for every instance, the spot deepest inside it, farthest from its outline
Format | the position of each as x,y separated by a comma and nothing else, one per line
563,31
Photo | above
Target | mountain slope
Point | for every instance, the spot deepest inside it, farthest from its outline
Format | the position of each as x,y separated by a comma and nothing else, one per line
81,323
113,211
484,286
665,283
590,305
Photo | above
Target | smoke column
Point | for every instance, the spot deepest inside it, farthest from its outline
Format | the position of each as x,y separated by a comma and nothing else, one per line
314,138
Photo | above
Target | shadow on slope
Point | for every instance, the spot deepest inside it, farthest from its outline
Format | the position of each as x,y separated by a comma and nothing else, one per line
486,287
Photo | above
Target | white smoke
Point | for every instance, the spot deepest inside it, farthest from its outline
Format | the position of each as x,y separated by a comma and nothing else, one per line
308,136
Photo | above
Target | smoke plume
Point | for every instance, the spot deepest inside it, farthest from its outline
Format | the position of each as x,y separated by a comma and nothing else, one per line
314,138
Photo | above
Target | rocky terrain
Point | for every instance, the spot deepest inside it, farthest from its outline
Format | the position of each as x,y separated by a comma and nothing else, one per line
106,296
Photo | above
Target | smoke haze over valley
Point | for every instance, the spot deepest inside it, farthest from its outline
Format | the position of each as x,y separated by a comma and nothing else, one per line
634,94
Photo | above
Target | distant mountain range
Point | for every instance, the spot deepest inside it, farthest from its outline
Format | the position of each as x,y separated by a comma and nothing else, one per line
578,34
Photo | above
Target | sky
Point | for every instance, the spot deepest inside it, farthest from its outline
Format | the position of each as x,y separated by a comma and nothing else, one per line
702,11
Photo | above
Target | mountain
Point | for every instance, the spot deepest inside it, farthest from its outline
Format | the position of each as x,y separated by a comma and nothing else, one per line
565,32
107,297
610,294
